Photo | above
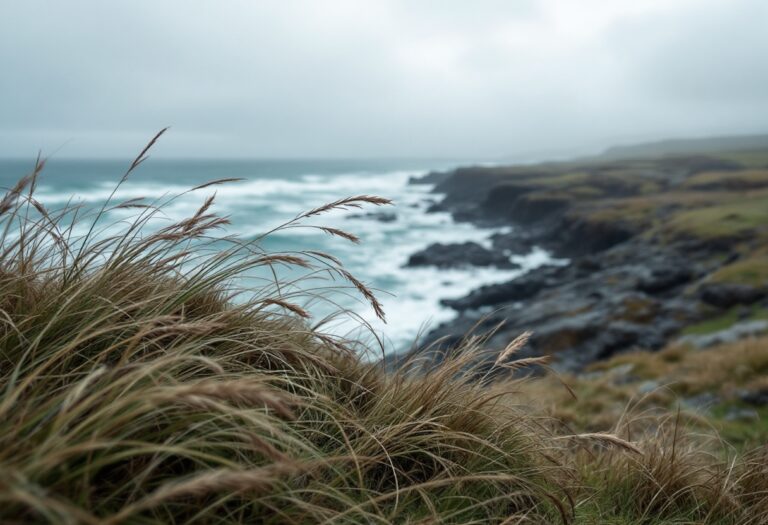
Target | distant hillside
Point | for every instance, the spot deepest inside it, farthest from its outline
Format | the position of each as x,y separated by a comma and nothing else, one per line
687,146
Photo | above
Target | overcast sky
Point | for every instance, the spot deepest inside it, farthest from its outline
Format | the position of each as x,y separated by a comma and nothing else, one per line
357,78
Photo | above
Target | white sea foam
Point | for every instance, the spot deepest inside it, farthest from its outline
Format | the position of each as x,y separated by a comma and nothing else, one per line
410,295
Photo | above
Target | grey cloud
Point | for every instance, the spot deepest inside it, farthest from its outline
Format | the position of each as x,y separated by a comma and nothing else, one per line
718,54
374,78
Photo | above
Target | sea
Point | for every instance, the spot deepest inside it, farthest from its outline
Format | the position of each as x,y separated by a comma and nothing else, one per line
275,191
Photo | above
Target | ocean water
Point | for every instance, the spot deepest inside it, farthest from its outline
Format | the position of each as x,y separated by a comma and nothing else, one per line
275,191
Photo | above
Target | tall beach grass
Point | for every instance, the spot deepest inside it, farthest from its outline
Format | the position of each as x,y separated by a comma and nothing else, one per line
142,382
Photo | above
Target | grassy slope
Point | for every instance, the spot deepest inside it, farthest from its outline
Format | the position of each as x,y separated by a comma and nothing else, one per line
719,199
133,390
705,384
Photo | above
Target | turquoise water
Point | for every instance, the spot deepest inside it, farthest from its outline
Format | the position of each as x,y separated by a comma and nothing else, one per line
275,191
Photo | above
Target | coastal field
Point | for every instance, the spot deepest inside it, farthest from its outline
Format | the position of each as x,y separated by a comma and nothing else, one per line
139,386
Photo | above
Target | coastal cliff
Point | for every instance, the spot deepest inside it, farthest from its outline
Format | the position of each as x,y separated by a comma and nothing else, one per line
659,249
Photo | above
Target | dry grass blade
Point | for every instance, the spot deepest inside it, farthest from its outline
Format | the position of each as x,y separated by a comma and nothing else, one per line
234,482
199,215
527,361
365,292
172,326
334,343
172,259
11,197
280,258
54,227
245,392
141,157
206,206
132,203
346,203
512,348
340,233
326,256
217,182
606,439
82,386
298,310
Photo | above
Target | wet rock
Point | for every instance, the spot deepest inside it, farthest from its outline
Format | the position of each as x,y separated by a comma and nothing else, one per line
513,202
588,264
622,335
638,308
581,312
703,401
468,185
459,255
726,295
573,237
729,335
515,242
744,313
565,333
646,387
622,374
664,278
518,289
741,414
755,397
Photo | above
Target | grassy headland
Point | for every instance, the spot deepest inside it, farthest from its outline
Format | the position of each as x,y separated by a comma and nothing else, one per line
135,389
660,247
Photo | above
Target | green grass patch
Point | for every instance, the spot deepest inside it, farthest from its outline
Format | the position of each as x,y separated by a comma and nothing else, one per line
564,180
725,321
752,271
735,425
735,179
713,325
738,218
749,158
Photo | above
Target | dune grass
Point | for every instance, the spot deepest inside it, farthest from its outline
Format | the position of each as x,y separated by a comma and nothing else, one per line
142,382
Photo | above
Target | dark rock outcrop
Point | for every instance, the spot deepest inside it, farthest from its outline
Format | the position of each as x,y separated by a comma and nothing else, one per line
573,236
587,310
726,295
433,177
670,275
628,283
458,255
755,397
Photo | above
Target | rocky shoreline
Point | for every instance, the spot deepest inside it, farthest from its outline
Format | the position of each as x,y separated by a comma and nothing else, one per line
634,278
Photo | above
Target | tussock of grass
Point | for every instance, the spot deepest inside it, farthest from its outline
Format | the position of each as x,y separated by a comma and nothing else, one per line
134,388
659,382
